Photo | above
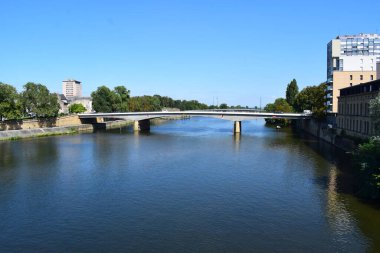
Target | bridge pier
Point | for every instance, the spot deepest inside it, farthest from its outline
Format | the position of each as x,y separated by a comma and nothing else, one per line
237,127
141,125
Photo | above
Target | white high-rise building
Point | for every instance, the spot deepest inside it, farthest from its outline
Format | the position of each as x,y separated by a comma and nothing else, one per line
72,88
351,60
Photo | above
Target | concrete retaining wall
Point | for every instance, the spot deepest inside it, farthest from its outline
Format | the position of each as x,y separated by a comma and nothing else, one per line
28,133
71,120
322,131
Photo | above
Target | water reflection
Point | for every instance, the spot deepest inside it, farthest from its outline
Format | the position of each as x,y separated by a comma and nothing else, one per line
190,185
237,140
340,219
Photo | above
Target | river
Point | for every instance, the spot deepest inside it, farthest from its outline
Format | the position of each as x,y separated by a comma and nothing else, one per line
187,186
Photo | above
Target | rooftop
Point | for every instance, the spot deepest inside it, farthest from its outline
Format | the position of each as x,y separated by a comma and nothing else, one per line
360,35
361,88
71,80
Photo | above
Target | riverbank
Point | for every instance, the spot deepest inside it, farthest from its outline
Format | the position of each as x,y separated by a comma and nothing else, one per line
63,130
323,132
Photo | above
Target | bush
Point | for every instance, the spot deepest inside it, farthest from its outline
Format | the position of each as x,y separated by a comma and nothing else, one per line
77,108
368,164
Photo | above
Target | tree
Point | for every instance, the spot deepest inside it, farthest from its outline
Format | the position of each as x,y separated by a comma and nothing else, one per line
291,92
374,111
123,95
312,98
270,108
104,100
223,106
368,163
77,108
144,104
10,104
279,105
38,101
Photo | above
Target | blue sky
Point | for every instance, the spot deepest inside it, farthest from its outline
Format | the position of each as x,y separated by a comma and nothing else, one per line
233,50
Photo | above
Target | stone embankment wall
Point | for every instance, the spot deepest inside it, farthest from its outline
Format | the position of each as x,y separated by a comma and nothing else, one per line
322,131
71,120
17,129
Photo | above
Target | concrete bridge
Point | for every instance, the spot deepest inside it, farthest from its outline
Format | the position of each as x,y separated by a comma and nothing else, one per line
142,119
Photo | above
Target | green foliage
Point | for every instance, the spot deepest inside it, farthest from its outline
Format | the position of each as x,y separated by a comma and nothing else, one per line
38,101
77,108
223,106
291,92
123,95
144,104
104,100
368,163
279,105
270,107
374,110
312,98
10,104
119,100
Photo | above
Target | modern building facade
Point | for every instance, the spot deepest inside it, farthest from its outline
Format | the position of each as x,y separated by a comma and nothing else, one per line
353,106
351,60
72,88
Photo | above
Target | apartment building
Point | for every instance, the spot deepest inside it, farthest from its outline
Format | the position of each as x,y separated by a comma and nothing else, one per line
72,88
353,107
351,60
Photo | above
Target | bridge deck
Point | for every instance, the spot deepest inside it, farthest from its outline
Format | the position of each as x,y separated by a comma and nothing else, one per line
228,115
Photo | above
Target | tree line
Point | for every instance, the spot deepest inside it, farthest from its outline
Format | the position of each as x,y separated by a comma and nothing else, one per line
118,99
35,101
309,98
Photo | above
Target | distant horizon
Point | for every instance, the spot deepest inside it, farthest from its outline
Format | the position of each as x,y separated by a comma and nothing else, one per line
236,51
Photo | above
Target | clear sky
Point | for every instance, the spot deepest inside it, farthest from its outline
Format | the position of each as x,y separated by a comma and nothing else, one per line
233,50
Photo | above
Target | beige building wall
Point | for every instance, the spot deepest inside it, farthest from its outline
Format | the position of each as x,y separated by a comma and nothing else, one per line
344,79
85,101
354,115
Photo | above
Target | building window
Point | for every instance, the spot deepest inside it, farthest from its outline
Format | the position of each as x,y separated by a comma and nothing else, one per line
361,77
350,77
371,77
350,84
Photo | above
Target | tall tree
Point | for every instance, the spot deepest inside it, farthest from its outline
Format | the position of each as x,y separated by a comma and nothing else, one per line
10,104
291,92
38,101
312,98
123,95
374,110
104,100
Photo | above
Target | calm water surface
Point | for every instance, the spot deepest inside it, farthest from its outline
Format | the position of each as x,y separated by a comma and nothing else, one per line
188,186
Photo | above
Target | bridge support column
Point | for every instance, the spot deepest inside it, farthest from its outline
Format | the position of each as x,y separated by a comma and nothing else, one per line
237,127
141,125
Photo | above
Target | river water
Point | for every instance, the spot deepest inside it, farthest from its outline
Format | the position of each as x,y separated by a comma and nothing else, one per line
187,186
